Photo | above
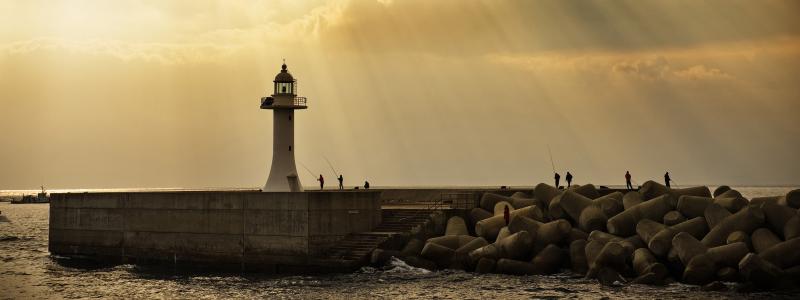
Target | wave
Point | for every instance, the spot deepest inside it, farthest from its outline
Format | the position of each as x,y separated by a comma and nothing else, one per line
396,265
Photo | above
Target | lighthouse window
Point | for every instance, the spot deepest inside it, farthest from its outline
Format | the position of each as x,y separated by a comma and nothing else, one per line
290,148
283,88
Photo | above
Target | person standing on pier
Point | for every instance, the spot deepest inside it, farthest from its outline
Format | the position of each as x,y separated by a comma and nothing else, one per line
558,178
667,179
321,182
341,182
569,179
628,180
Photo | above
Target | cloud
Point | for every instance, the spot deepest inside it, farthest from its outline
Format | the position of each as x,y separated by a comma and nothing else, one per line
659,68
480,27
641,67
185,35
173,33
648,69
412,88
303,30
701,72
164,53
746,61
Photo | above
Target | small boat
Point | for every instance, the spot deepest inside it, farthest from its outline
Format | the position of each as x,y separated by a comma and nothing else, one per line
40,197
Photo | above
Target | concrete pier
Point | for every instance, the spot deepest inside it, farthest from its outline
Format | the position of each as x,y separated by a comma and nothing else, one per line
273,232
253,230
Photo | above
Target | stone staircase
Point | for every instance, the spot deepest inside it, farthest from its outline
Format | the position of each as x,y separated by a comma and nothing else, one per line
402,220
355,248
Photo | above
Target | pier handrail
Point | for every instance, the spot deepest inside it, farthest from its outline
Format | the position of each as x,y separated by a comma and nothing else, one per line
453,200
436,204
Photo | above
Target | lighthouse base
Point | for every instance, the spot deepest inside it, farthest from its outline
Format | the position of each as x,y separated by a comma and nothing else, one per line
291,184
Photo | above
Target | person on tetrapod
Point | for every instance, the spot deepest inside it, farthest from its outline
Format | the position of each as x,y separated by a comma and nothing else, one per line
628,180
558,178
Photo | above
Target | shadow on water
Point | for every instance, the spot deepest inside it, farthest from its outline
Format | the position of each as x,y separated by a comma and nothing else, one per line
81,263
8,238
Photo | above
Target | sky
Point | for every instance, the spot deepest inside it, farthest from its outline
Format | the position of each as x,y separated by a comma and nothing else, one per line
127,94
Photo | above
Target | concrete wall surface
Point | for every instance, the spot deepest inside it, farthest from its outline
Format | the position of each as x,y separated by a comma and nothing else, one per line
225,227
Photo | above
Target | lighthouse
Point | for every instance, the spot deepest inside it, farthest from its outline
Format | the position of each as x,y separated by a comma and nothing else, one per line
283,102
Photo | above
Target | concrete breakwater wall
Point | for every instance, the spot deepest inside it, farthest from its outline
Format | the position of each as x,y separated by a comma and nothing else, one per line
219,227
457,197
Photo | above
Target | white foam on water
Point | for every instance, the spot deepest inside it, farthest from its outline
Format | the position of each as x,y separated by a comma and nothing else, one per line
399,266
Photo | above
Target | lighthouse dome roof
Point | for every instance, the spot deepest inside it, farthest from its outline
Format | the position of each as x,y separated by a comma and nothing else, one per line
284,75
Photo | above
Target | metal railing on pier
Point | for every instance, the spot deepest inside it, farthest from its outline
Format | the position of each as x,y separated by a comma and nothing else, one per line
455,200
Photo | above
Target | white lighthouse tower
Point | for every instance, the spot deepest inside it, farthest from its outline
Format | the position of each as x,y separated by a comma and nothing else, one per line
284,100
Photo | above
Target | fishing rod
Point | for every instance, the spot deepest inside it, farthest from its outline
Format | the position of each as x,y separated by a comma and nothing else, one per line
309,171
335,174
553,165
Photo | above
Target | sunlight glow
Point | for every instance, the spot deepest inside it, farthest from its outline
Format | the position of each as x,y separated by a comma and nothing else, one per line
401,92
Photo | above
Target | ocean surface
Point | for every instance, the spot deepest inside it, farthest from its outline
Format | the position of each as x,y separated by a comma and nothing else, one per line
28,271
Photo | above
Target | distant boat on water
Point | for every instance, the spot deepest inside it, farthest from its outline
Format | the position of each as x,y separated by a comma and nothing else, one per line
40,197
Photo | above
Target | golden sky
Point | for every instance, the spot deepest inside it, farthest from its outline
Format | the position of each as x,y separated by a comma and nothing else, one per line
100,94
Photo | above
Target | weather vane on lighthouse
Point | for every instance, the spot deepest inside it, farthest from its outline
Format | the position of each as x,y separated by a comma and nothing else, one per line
284,100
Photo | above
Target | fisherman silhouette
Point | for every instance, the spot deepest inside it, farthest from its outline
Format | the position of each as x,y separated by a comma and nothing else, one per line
667,179
321,182
558,178
569,179
366,185
341,182
628,180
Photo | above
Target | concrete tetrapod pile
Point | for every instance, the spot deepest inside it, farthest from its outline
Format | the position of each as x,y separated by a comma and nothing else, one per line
655,235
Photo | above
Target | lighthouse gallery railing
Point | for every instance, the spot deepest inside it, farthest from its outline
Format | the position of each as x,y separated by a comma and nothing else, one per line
297,101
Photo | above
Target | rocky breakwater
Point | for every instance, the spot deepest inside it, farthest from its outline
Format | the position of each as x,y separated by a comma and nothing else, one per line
655,236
